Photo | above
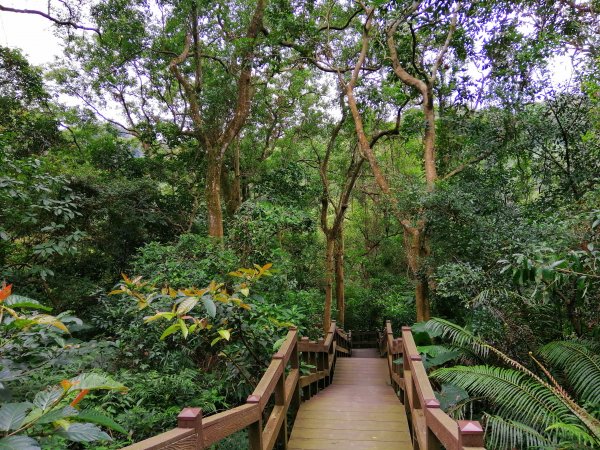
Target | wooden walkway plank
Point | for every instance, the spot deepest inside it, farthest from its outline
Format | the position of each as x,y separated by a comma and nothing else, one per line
359,411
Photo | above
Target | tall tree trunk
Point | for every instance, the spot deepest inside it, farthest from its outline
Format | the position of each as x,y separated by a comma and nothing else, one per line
230,183
429,139
329,270
236,189
213,194
339,278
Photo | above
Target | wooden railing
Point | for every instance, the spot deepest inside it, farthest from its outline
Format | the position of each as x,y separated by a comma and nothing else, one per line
431,427
282,381
365,339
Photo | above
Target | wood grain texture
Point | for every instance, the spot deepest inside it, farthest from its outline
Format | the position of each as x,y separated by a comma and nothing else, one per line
359,410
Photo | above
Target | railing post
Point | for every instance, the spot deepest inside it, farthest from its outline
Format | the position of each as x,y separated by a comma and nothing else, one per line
433,443
280,401
314,386
321,363
350,343
470,434
307,359
405,372
192,418
295,364
255,430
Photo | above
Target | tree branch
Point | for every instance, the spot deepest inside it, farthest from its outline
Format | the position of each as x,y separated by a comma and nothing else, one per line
467,164
444,49
57,21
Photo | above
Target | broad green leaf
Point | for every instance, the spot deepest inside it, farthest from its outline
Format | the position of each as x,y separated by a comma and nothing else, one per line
84,432
54,415
12,415
225,334
46,319
45,399
159,315
215,340
169,331
186,305
19,443
94,416
451,395
210,306
184,328
19,301
94,381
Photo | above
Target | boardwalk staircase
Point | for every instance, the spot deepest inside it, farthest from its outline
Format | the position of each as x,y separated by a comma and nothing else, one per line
372,402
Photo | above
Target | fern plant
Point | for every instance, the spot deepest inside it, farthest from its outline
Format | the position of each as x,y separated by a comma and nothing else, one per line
527,410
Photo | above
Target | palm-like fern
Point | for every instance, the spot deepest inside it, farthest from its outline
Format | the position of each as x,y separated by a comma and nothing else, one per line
507,433
580,365
527,405
515,394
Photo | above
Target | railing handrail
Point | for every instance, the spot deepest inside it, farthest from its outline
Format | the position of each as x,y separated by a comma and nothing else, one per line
431,427
194,431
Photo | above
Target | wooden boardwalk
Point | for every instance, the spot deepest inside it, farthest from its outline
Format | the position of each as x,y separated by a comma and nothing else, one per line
359,410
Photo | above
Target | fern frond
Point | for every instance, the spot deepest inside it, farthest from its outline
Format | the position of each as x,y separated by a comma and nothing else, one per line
461,336
516,396
579,364
458,335
503,433
572,433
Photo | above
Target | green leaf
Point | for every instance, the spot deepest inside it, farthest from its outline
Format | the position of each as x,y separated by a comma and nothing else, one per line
210,306
278,343
19,301
450,395
225,334
169,331
441,358
95,416
84,432
94,381
12,415
56,414
184,328
186,305
46,399
19,443
215,340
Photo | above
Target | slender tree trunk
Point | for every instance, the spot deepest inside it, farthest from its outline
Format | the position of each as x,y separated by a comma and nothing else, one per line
329,270
213,194
230,184
236,191
429,140
339,278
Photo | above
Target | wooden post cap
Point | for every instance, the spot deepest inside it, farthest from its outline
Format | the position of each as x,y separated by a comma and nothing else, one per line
293,328
189,417
253,399
469,427
278,355
470,433
432,403
406,328
416,358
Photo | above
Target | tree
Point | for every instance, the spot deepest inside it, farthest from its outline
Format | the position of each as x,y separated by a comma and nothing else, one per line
193,61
